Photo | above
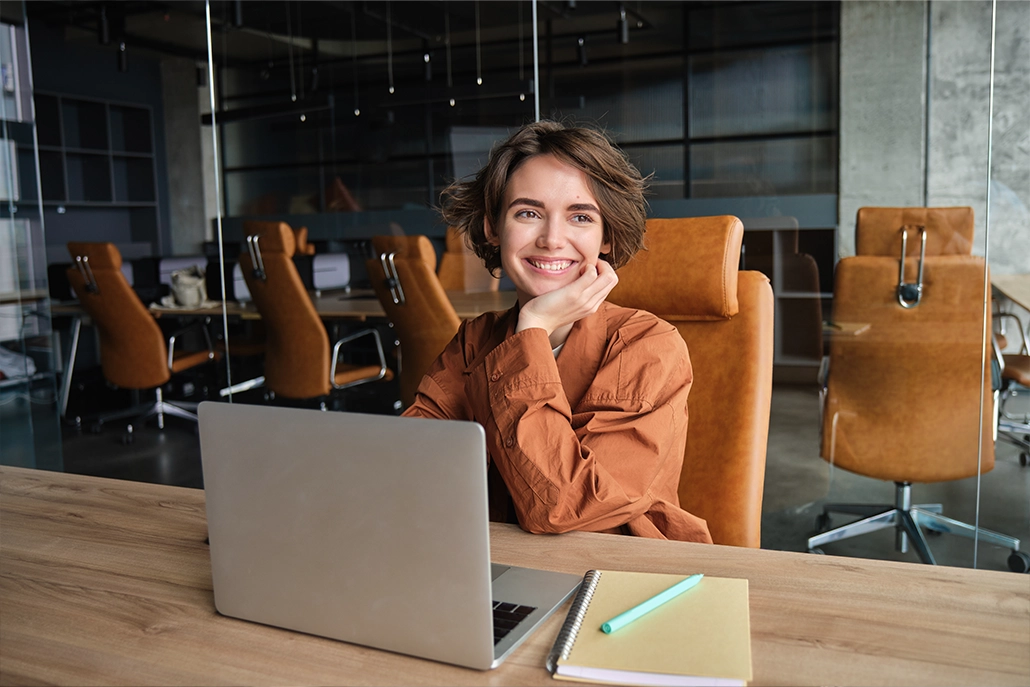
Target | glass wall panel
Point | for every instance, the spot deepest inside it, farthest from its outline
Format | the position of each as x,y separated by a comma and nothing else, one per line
29,348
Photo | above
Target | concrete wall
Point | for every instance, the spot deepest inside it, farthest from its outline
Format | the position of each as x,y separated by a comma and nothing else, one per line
909,140
187,223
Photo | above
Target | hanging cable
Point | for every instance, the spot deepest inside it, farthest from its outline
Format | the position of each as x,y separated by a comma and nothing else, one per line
354,62
289,48
522,63
389,45
447,42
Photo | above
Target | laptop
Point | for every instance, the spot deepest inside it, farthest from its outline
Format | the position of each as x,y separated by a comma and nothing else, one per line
370,529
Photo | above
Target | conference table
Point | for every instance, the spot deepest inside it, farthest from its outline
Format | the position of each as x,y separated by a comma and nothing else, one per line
355,305
109,582
358,305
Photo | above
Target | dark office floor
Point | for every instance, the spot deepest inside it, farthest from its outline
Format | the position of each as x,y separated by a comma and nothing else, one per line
797,481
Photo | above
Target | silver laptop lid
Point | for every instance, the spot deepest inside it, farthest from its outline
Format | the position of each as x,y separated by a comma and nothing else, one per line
319,524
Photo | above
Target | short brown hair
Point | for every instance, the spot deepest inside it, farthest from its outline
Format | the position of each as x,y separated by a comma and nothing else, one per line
616,183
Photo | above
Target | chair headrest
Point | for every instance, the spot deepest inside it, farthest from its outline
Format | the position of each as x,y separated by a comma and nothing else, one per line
100,255
454,241
414,246
949,231
273,237
688,270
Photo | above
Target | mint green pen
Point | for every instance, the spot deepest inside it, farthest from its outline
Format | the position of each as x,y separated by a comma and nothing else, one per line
654,602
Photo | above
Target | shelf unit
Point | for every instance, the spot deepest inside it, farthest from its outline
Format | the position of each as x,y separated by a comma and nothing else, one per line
97,171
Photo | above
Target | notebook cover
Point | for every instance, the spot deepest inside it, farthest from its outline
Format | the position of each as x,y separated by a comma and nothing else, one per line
702,633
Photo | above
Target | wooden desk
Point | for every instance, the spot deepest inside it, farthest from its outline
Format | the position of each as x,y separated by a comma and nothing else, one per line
109,582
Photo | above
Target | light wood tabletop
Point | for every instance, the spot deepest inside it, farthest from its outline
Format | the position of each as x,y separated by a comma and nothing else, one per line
1015,287
109,582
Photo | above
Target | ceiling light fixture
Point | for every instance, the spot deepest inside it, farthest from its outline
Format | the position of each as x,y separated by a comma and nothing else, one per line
479,51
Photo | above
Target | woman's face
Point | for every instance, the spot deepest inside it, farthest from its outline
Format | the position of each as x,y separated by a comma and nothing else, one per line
550,227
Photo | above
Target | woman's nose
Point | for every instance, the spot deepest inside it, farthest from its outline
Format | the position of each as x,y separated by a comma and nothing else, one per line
552,234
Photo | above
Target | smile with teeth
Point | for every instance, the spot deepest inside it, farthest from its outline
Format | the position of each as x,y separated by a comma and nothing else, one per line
550,265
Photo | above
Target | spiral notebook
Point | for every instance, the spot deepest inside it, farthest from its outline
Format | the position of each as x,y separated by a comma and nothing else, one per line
701,637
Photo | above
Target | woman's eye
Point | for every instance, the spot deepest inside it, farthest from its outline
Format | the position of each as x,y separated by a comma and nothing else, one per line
529,214
581,219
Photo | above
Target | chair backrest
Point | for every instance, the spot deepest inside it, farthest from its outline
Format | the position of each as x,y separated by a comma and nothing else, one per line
461,269
303,247
133,352
297,354
688,276
902,393
422,315
404,246
949,231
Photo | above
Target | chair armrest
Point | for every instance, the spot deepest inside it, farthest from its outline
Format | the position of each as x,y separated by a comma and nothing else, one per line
179,332
347,339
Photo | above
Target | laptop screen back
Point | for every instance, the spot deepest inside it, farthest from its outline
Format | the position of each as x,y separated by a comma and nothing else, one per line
365,528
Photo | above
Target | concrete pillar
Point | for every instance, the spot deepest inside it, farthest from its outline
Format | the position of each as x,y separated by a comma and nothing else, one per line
182,133
882,109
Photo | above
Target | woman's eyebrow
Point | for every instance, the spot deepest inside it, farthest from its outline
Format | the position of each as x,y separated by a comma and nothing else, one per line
526,201
580,207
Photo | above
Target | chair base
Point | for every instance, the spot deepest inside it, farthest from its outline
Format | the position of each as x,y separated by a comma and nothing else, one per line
908,522
159,407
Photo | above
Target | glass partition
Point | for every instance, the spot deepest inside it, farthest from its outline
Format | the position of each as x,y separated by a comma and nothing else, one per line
29,357
347,120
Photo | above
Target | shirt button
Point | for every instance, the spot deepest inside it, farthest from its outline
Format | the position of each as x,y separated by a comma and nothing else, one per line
509,442
495,376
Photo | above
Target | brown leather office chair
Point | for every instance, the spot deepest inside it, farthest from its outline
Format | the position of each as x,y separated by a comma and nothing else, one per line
902,400
133,351
403,276
298,361
689,276
461,270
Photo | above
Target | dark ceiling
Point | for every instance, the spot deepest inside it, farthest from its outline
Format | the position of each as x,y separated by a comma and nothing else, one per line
252,31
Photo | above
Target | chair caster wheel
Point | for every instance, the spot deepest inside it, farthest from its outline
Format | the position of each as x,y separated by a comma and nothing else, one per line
128,437
822,522
96,428
1019,562
1024,458
816,550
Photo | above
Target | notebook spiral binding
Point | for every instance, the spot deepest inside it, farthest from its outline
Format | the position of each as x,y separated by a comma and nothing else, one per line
567,636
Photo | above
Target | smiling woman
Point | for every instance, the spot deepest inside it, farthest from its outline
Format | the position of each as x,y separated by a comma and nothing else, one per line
584,403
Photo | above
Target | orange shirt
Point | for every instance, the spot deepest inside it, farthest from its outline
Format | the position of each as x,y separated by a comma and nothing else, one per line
591,441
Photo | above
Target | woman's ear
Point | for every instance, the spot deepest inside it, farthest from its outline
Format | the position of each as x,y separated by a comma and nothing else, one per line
606,248
491,236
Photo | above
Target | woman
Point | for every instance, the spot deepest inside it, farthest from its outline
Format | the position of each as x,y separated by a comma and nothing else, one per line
584,403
